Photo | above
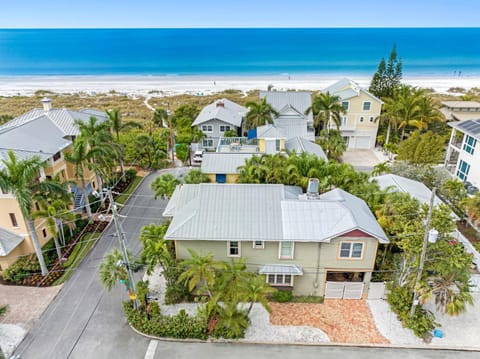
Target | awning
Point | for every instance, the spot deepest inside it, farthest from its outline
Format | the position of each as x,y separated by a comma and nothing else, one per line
8,241
280,269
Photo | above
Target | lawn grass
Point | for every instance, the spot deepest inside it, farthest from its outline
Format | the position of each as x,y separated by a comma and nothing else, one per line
85,244
122,198
307,299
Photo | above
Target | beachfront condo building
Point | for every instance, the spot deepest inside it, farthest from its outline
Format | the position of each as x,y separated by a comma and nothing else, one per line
47,133
462,159
359,124
217,118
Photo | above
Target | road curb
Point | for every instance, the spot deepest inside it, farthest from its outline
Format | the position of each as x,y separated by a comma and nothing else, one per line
332,345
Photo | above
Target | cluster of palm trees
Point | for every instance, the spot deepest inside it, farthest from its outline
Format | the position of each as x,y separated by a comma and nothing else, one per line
410,107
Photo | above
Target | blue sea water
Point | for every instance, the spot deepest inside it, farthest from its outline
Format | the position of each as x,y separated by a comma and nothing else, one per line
344,51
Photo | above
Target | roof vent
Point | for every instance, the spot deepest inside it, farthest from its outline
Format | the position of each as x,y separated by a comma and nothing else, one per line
220,104
47,104
312,188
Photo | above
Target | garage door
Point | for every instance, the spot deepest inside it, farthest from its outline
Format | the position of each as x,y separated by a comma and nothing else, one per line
363,142
344,290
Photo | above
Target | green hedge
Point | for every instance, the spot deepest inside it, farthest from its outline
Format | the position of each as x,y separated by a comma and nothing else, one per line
180,326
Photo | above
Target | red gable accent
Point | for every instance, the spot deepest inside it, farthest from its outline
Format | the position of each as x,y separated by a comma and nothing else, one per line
356,233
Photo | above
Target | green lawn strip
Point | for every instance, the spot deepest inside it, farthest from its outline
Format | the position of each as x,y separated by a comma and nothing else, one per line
88,240
122,198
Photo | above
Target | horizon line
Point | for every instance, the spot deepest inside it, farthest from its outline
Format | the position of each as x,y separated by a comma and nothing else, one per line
238,27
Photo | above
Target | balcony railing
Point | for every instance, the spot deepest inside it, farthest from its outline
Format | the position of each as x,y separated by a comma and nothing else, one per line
237,144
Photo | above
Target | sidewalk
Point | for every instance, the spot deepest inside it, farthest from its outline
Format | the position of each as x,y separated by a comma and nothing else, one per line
25,306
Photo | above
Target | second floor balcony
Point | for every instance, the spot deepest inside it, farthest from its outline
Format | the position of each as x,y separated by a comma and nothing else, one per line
238,144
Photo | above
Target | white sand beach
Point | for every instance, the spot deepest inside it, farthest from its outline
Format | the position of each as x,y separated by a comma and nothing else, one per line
200,85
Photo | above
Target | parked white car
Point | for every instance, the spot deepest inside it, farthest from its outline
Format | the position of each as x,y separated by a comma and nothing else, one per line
198,157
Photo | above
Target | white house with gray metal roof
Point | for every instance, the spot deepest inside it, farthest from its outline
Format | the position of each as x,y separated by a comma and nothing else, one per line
462,158
359,125
460,110
310,243
217,118
291,106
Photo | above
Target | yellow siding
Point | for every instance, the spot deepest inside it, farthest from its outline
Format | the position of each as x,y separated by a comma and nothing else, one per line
261,145
232,178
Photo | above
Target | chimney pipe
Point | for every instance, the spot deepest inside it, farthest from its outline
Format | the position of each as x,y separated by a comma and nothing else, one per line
47,104
312,188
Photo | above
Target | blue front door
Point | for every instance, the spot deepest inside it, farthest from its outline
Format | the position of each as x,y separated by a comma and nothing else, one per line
221,178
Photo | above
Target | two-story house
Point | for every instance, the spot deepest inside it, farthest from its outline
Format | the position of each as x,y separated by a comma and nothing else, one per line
309,243
460,110
217,118
47,133
462,158
359,125
291,107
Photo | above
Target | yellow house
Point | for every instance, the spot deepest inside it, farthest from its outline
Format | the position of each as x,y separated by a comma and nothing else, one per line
48,134
359,125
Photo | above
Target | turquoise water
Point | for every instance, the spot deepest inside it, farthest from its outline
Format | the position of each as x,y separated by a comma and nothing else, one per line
425,52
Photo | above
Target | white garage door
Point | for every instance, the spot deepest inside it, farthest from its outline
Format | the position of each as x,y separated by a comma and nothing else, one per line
363,142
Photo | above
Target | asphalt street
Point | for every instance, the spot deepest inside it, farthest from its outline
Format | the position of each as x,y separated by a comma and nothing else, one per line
84,321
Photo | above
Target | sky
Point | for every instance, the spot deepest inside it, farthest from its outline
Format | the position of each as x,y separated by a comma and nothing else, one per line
237,13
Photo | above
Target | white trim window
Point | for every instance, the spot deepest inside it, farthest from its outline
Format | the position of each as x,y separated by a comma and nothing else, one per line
258,244
207,128
345,105
285,280
366,106
285,250
463,169
344,121
207,142
351,250
224,128
469,145
233,249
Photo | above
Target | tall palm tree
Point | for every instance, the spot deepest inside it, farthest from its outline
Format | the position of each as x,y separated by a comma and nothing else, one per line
116,125
20,177
160,117
233,276
199,272
260,113
112,270
326,108
54,212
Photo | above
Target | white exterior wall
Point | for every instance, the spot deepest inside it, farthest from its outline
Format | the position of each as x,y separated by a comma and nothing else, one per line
473,160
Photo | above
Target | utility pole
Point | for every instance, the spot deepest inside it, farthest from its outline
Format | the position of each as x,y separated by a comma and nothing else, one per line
422,255
123,247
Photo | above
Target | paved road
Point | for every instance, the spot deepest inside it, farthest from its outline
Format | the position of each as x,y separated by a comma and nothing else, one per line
241,351
84,321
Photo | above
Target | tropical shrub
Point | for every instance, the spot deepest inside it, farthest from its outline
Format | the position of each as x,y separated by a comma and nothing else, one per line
282,296
180,326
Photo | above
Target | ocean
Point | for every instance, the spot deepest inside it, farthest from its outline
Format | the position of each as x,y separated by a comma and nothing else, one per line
435,52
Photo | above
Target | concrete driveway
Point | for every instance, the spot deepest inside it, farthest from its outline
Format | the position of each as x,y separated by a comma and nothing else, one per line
363,160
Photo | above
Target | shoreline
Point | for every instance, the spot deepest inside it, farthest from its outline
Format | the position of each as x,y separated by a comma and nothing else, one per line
169,85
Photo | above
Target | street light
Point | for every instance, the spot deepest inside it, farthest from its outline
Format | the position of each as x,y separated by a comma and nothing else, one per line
431,236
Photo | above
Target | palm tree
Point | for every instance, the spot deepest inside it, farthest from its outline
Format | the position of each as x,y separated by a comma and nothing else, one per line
54,212
160,117
20,177
381,169
325,109
333,143
155,247
116,125
256,289
196,176
165,185
260,113
232,277
79,157
112,270
232,322
199,272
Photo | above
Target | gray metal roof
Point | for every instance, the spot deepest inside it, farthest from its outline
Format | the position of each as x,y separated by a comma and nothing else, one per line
263,212
346,88
300,144
8,241
291,269
299,100
414,188
470,127
270,131
229,112
465,105
223,162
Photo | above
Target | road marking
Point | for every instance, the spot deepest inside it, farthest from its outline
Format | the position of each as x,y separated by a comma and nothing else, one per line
152,347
